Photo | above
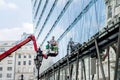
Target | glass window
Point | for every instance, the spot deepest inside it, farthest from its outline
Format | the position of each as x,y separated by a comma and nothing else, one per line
19,56
2,49
29,62
109,12
9,75
9,61
29,56
1,68
0,75
19,63
9,68
24,62
24,56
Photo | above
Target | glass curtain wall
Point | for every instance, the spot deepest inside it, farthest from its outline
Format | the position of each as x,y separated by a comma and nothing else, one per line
65,19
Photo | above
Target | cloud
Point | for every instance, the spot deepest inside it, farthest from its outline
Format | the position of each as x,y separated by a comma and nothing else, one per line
9,34
4,4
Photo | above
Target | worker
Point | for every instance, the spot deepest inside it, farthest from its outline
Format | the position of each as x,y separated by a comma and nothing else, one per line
53,43
52,47
71,44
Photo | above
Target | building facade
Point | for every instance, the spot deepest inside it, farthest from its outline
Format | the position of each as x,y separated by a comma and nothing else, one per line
113,11
7,65
65,19
24,65
20,62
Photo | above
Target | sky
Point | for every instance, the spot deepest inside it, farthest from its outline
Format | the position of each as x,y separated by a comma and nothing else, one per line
15,18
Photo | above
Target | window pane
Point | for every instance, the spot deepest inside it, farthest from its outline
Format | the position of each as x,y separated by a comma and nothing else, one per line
0,75
9,61
9,75
109,12
19,56
2,49
24,56
24,62
19,63
9,68
1,68
29,56
29,62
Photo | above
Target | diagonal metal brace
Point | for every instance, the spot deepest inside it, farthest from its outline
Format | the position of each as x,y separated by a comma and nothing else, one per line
100,62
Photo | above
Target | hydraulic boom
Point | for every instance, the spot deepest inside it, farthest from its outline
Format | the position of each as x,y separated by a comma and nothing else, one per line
19,45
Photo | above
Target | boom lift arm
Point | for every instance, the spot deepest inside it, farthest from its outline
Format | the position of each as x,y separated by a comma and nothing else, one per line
19,45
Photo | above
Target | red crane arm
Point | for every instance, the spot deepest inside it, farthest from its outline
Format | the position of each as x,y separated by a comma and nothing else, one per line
19,45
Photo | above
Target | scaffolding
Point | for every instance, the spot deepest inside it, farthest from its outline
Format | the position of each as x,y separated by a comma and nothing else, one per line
86,62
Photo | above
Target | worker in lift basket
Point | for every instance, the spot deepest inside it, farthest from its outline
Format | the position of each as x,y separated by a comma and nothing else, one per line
52,47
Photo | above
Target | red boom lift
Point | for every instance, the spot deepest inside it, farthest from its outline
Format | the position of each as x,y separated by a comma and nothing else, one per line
19,45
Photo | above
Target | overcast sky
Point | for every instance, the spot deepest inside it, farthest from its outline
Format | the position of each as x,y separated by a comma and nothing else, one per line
15,18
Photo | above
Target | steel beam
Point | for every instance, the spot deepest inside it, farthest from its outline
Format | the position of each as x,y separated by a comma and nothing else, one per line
117,57
77,65
100,62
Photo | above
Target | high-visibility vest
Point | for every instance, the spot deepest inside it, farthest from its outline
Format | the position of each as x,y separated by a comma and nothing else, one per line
47,46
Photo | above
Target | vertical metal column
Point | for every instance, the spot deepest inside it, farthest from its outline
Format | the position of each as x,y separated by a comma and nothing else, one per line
62,73
47,78
108,63
100,62
53,73
81,70
97,69
84,70
68,67
89,66
66,73
71,70
44,77
38,74
77,66
59,72
117,57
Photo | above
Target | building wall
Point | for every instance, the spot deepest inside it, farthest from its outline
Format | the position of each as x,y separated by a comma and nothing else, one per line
112,11
7,64
12,67
25,63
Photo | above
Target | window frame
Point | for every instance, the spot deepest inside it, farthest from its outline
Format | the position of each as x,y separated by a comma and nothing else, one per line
109,12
